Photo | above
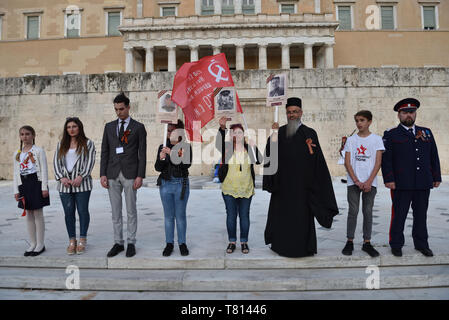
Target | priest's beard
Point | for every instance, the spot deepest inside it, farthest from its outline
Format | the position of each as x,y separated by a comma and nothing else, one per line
292,126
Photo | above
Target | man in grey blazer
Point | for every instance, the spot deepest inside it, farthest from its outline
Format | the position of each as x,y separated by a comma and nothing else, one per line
122,167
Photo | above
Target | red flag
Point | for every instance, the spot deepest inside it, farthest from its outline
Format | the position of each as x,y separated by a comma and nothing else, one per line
193,89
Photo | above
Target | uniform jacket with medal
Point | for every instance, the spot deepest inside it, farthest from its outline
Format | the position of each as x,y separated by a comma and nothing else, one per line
410,161
132,161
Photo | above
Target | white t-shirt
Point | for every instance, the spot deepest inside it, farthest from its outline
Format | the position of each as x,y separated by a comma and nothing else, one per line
26,165
70,159
363,156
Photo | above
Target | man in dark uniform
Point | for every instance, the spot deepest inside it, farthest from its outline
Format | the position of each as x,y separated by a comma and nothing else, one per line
410,168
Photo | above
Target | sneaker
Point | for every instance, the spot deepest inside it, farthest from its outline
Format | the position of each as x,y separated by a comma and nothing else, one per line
168,250
349,247
368,248
183,249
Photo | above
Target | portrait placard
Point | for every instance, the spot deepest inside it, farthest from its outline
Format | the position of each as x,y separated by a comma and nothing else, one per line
225,102
167,110
277,85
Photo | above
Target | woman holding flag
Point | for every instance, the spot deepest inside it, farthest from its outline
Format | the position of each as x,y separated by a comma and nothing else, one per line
238,181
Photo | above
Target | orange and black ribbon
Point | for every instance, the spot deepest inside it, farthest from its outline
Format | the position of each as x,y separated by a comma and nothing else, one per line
310,145
125,136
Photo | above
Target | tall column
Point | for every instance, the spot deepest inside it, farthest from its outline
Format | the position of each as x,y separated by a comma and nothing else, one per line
216,49
286,56
193,53
171,58
317,6
139,8
129,67
149,59
217,7
308,55
329,47
238,6
239,57
262,57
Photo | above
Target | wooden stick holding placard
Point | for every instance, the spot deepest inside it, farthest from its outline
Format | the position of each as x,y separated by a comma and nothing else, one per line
246,128
165,134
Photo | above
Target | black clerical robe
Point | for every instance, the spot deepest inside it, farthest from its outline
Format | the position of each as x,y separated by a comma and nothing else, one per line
300,190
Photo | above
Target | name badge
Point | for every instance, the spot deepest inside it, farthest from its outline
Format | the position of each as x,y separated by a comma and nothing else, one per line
119,150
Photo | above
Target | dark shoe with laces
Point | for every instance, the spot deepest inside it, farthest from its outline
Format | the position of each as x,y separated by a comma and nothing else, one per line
116,249
131,250
368,248
168,250
349,247
183,249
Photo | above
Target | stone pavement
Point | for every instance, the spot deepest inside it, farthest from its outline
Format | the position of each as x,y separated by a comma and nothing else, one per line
207,240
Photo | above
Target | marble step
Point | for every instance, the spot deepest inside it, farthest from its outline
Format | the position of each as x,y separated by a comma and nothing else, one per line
232,280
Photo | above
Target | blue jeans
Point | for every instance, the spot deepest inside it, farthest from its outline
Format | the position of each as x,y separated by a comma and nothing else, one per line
174,208
234,207
76,201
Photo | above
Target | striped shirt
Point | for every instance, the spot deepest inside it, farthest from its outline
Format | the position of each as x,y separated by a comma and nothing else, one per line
83,167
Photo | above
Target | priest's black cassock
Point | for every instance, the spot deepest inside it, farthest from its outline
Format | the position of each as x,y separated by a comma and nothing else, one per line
301,189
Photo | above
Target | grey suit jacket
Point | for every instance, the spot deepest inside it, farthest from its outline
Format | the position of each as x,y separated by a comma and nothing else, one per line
132,162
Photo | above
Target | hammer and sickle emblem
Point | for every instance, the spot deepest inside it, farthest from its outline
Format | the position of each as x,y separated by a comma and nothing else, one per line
217,75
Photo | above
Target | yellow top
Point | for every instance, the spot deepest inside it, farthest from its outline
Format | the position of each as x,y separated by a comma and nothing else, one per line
238,184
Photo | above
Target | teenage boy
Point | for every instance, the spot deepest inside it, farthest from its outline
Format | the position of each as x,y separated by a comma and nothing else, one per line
363,158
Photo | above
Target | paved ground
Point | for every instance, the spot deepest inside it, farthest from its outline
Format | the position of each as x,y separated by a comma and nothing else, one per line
207,237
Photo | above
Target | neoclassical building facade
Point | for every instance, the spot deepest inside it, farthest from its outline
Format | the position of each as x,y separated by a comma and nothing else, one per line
57,37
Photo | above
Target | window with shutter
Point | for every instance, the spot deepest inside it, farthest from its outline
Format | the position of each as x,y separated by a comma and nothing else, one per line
429,18
248,7
207,7
113,23
73,25
227,7
168,11
33,27
288,8
387,17
344,17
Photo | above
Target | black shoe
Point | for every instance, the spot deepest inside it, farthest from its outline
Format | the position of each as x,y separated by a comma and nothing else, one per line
349,247
368,248
36,253
396,252
427,252
28,253
130,250
183,249
245,248
116,249
168,250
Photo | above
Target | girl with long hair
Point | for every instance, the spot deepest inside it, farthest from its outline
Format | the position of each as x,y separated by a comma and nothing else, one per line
73,163
31,187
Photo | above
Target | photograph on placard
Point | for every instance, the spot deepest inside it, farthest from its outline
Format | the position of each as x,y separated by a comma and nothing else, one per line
276,89
167,111
225,102
166,105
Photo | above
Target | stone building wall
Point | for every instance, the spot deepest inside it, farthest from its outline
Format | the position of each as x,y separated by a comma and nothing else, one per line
330,99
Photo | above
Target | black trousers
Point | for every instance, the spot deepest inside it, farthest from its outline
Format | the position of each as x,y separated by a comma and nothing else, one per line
419,201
